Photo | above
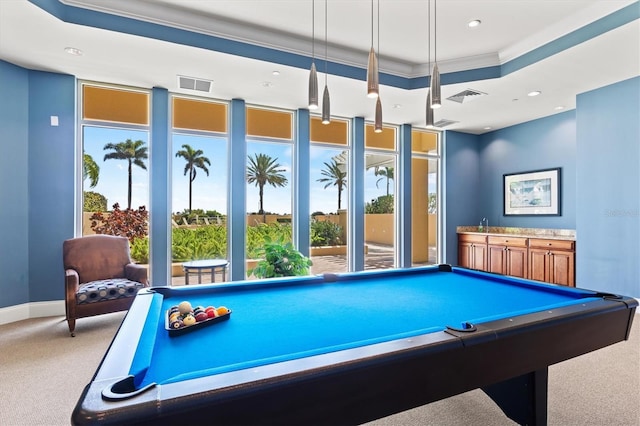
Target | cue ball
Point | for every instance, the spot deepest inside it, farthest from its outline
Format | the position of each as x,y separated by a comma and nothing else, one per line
185,307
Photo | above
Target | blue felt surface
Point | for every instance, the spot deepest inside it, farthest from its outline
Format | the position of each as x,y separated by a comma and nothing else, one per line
271,324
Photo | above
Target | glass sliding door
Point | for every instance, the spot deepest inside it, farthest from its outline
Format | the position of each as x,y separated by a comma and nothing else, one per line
114,135
380,220
199,182
425,161
329,195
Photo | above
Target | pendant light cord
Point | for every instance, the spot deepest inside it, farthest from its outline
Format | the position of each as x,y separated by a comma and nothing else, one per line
435,31
313,30
325,42
429,39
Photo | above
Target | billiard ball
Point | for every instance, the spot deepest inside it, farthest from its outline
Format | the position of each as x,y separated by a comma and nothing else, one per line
189,320
176,324
211,313
222,310
201,316
184,307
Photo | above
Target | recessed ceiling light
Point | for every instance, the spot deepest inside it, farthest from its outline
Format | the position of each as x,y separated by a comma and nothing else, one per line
474,23
534,93
73,51
397,106
559,107
488,128
276,72
267,84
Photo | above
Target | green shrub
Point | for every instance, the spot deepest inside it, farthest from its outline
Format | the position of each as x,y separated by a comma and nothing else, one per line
204,242
280,259
257,236
94,202
140,250
383,204
325,233
210,242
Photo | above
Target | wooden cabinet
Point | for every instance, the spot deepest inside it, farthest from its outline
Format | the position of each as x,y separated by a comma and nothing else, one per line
472,251
547,260
552,261
508,256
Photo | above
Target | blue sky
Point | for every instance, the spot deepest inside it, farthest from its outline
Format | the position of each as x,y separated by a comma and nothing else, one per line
210,192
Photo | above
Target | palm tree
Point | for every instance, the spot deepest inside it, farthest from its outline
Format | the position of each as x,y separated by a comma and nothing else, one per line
264,170
334,176
194,160
90,170
386,173
132,151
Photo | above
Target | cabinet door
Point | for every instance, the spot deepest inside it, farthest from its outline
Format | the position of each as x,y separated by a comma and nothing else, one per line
562,268
464,255
479,257
538,264
496,259
516,262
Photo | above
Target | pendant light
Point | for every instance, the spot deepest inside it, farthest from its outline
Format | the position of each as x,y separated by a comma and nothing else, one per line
313,75
429,110
377,127
372,66
326,102
435,74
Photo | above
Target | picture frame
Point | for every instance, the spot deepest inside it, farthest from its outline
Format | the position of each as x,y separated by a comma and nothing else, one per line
533,193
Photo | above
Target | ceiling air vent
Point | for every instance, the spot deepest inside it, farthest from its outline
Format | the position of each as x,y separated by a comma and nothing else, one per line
466,96
444,123
191,83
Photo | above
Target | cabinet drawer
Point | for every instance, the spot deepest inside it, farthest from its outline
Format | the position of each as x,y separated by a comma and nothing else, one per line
505,240
552,244
472,238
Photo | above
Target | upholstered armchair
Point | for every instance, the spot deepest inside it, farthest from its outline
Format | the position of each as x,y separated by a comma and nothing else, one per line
99,276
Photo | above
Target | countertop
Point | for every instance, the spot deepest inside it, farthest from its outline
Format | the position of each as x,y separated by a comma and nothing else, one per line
552,234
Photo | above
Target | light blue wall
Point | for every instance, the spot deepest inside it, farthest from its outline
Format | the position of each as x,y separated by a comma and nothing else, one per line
540,144
608,192
461,175
51,180
37,181
475,165
14,185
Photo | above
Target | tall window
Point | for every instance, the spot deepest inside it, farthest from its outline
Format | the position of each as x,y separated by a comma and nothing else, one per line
328,195
425,160
114,130
380,198
199,185
269,179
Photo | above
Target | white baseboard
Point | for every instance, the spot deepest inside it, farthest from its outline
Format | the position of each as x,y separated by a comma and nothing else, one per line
31,310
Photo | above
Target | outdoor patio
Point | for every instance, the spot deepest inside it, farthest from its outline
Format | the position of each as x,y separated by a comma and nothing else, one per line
378,257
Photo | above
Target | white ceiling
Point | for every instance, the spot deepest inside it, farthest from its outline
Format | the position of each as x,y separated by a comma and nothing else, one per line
33,38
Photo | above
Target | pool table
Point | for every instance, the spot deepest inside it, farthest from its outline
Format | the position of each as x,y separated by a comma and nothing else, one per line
347,348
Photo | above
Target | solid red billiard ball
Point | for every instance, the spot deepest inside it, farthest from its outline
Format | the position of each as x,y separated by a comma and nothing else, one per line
211,313
201,316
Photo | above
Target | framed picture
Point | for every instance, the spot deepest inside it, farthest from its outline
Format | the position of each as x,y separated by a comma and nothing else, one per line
535,193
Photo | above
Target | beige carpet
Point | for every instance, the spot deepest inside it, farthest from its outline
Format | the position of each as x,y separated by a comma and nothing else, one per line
43,372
